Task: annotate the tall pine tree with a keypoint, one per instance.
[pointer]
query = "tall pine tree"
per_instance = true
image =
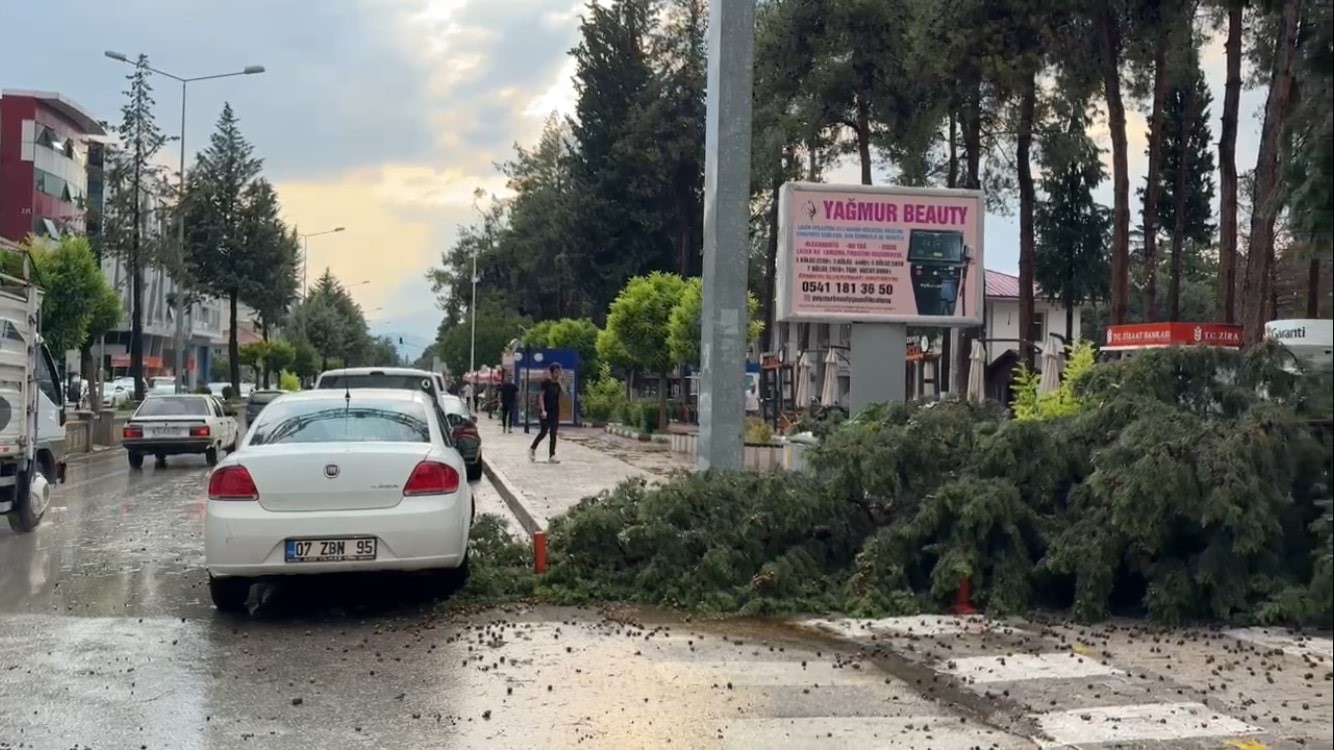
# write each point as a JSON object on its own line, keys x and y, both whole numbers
{"x": 1070, "y": 259}
{"x": 132, "y": 178}
{"x": 1186, "y": 179}
{"x": 215, "y": 239}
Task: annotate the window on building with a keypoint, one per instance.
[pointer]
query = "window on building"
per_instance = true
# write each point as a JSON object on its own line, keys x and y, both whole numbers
{"x": 45, "y": 137}
{"x": 1038, "y": 333}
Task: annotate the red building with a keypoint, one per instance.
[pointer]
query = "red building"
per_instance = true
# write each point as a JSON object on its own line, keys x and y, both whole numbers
{"x": 43, "y": 164}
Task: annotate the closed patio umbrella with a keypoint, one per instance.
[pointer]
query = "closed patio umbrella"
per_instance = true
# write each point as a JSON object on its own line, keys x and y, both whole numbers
{"x": 801, "y": 394}
{"x": 1051, "y": 367}
{"x": 977, "y": 372}
{"x": 829, "y": 388}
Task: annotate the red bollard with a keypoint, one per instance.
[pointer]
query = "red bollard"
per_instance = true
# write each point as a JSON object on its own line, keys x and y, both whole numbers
{"x": 963, "y": 599}
{"x": 540, "y": 552}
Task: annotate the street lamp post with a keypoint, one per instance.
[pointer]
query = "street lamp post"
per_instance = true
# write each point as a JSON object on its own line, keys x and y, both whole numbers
{"x": 249, "y": 70}
{"x": 472, "y": 349}
{"x": 305, "y": 254}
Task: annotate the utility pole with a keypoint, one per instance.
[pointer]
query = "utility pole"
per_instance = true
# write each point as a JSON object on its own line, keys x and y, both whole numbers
{"x": 727, "y": 138}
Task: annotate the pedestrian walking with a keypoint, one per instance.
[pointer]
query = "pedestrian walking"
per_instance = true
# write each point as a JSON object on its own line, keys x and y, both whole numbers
{"x": 467, "y": 397}
{"x": 548, "y": 409}
{"x": 508, "y": 395}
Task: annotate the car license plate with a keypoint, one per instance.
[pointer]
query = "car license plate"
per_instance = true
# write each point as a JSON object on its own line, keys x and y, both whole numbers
{"x": 331, "y": 550}
{"x": 167, "y": 432}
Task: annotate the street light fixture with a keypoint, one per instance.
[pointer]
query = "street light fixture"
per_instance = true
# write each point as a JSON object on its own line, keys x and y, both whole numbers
{"x": 305, "y": 250}
{"x": 248, "y": 70}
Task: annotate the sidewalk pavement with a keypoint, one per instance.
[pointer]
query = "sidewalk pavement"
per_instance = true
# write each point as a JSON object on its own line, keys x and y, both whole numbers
{"x": 539, "y": 491}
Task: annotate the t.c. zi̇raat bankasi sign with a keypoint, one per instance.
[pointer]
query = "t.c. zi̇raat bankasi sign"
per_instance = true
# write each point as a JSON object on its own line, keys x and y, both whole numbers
{"x": 1158, "y": 335}
{"x": 871, "y": 254}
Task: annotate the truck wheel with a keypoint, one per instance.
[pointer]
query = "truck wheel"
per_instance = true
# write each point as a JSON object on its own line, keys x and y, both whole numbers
{"x": 32, "y": 495}
{"x": 136, "y": 460}
{"x": 211, "y": 455}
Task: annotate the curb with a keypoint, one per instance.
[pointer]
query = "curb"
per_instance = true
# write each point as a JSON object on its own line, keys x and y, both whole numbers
{"x": 513, "y": 497}
{"x": 86, "y": 455}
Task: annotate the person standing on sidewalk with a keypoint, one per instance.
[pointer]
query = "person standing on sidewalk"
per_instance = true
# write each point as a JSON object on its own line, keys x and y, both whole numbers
{"x": 548, "y": 408}
{"x": 508, "y": 394}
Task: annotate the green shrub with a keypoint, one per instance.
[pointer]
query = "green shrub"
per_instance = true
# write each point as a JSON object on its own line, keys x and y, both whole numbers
{"x": 649, "y": 416}
{"x": 604, "y": 396}
{"x": 1065, "y": 400}
{"x": 631, "y": 414}
{"x": 288, "y": 381}
{"x": 758, "y": 431}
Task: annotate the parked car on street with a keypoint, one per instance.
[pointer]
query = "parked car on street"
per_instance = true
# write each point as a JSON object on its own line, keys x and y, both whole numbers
{"x": 333, "y": 481}
{"x": 257, "y": 401}
{"x": 179, "y": 424}
{"x": 163, "y": 386}
{"x": 116, "y": 393}
{"x": 463, "y": 426}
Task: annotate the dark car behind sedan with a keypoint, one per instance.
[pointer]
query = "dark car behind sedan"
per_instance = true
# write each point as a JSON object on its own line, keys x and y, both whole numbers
{"x": 256, "y": 403}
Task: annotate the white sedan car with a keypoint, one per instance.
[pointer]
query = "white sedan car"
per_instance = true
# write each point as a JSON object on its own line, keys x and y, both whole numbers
{"x": 333, "y": 481}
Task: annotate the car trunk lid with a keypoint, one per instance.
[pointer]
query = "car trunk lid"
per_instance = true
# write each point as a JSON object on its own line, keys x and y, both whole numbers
{"x": 332, "y": 476}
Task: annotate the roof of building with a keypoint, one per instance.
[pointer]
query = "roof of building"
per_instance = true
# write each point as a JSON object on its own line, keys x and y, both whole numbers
{"x": 78, "y": 115}
{"x": 1006, "y": 286}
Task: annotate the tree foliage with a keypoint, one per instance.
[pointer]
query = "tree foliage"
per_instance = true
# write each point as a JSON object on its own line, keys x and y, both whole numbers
{"x": 74, "y": 290}
{"x": 683, "y": 325}
{"x": 1185, "y": 484}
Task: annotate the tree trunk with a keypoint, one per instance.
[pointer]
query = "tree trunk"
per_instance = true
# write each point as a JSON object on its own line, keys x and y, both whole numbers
{"x": 1227, "y": 168}
{"x": 1313, "y": 289}
{"x": 971, "y": 125}
{"x": 90, "y": 376}
{"x": 1027, "y": 204}
{"x": 864, "y": 135}
{"x": 771, "y": 265}
{"x": 233, "y": 348}
{"x": 1069, "y": 320}
{"x": 685, "y": 223}
{"x": 1268, "y": 199}
{"x": 1180, "y": 199}
{"x": 952, "y": 180}
{"x": 1109, "y": 62}
{"x": 1153, "y": 190}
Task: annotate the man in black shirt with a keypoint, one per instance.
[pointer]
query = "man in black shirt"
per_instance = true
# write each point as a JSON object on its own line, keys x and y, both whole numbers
{"x": 508, "y": 392}
{"x": 548, "y": 408}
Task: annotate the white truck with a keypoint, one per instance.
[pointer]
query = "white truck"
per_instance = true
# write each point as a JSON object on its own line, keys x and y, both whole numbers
{"x": 32, "y": 413}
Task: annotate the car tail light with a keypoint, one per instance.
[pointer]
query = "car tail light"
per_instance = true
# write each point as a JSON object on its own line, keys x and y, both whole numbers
{"x": 232, "y": 483}
{"x": 131, "y": 432}
{"x": 199, "y": 431}
{"x": 432, "y": 478}
{"x": 465, "y": 430}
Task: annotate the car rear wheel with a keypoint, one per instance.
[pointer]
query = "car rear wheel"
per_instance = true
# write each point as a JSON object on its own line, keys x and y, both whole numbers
{"x": 211, "y": 455}
{"x": 229, "y": 594}
{"x": 136, "y": 460}
{"x": 452, "y": 580}
{"x": 474, "y": 470}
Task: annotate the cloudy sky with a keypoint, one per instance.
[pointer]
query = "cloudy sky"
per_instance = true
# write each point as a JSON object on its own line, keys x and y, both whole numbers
{"x": 381, "y": 116}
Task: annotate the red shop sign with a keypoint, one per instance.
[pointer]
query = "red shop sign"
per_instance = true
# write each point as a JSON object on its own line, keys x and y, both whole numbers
{"x": 1152, "y": 335}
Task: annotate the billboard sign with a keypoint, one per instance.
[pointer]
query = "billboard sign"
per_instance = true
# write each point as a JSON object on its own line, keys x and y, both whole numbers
{"x": 880, "y": 254}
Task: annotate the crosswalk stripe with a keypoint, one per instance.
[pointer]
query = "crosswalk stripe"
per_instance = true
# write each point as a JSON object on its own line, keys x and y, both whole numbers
{"x": 1148, "y": 722}
{"x": 982, "y": 670}
{"x": 861, "y": 733}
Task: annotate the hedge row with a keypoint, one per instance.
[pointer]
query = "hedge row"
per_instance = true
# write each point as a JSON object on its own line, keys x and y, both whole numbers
{"x": 1187, "y": 485}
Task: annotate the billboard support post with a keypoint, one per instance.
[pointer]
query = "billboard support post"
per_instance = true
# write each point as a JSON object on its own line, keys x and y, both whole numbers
{"x": 879, "y": 363}
{"x": 722, "y": 372}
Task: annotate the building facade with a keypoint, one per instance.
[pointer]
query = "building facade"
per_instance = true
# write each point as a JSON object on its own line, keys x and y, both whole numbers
{"x": 43, "y": 164}
{"x": 925, "y": 375}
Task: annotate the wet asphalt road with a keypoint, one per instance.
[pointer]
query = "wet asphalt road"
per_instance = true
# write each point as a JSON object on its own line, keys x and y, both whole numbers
{"x": 108, "y": 640}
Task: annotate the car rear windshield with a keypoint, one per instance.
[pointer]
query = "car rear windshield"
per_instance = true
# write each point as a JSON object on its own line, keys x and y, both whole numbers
{"x": 183, "y": 406}
{"x": 356, "y": 421}
{"x": 264, "y": 397}
{"x": 381, "y": 380}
